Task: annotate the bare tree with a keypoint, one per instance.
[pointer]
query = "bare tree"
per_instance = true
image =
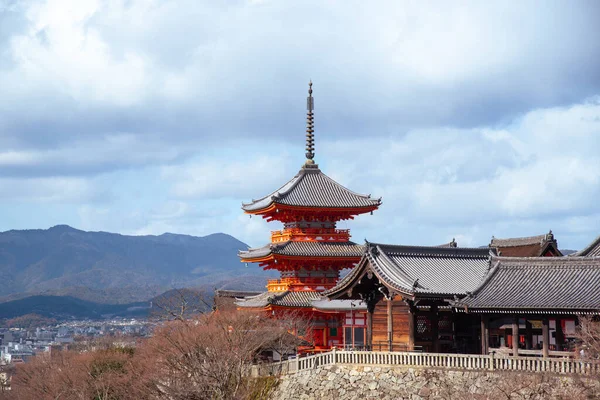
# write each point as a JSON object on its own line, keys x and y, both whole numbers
{"x": 208, "y": 356}
{"x": 588, "y": 335}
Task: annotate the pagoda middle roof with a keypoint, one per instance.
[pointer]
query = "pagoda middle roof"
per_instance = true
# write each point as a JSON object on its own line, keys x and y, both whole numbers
{"x": 312, "y": 188}
{"x": 305, "y": 249}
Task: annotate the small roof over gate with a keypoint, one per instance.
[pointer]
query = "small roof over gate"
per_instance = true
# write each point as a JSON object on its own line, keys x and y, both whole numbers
{"x": 530, "y": 246}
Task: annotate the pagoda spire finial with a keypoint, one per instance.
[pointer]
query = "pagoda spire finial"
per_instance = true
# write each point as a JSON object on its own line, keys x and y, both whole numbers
{"x": 310, "y": 126}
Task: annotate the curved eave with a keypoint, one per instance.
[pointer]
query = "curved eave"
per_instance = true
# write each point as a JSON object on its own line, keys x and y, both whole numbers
{"x": 274, "y": 206}
{"x": 525, "y": 310}
{"x": 273, "y": 256}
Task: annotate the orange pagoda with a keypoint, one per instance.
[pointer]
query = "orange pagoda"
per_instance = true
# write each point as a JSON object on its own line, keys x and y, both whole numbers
{"x": 310, "y": 251}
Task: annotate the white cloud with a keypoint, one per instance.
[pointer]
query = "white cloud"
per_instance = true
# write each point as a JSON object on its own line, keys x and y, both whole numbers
{"x": 57, "y": 190}
{"x": 223, "y": 176}
{"x": 457, "y": 182}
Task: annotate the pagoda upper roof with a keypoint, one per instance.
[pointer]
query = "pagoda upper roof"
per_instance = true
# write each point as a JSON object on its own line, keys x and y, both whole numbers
{"x": 305, "y": 249}
{"x": 312, "y": 188}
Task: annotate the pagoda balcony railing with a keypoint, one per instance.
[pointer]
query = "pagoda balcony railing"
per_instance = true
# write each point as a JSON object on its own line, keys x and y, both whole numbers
{"x": 311, "y": 234}
{"x": 279, "y": 285}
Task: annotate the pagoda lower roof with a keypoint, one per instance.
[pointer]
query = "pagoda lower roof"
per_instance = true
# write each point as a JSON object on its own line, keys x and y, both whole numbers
{"x": 303, "y": 299}
{"x": 312, "y": 188}
{"x": 305, "y": 249}
{"x": 281, "y": 299}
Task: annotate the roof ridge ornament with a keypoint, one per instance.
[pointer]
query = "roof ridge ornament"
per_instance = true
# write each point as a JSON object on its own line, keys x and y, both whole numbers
{"x": 310, "y": 129}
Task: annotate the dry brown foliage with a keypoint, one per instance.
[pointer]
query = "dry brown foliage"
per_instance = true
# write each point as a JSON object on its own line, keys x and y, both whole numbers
{"x": 588, "y": 334}
{"x": 205, "y": 357}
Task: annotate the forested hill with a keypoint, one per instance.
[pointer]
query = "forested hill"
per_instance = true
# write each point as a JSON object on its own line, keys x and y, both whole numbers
{"x": 100, "y": 265}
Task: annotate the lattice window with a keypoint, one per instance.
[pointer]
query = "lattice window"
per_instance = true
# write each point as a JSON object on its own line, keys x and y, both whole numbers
{"x": 423, "y": 325}
{"x": 445, "y": 323}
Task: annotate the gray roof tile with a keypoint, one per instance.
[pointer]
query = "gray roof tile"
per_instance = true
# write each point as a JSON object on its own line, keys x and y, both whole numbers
{"x": 539, "y": 283}
{"x": 282, "y": 299}
{"x": 306, "y": 249}
{"x": 591, "y": 250}
{"x": 424, "y": 270}
{"x": 522, "y": 241}
{"x": 312, "y": 188}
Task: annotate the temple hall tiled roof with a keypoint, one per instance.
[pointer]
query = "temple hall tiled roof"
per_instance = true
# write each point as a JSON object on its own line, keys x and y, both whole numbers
{"x": 421, "y": 270}
{"x": 339, "y": 305}
{"x": 312, "y": 188}
{"x": 531, "y": 246}
{"x": 305, "y": 249}
{"x": 281, "y": 299}
{"x": 542, "y": 283}
{"x": 591, "y": 250}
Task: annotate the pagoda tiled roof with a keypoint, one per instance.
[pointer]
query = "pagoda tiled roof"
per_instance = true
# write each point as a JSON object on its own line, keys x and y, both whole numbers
{"x": 282, "y": 299}
{"x": 421, "y": 270}
{"x": 305, "y": 249}
{"x": 591, "y": 250}
{"x": 312, "y": 188}
{"x": 538, "y": 283}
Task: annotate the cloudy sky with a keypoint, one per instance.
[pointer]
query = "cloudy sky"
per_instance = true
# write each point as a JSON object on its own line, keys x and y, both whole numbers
{"x": 148, "y": 116}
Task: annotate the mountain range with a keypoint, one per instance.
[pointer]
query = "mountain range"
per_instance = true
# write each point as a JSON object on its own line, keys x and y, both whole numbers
{"x": 109, "y": 268}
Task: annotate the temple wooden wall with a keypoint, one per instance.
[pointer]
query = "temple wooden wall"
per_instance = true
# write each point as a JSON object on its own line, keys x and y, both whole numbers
{"x": 400, "y": 316}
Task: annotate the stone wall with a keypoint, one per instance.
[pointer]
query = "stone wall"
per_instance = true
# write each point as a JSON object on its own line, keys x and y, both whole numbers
{"x": 340, "y": 382}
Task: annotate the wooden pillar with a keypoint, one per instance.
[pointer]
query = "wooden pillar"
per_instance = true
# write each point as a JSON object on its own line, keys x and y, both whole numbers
{"x": 515, "y": 336}
{"x": 325, "y": 333}
{"x": 485, "y": 334}
{"x": 369, "y": 330}
{"x": 433, "y": 318}
{"x": 528, "y": 335}
{"x": 545, "y": 337}
{"x": 411, "y": 328}
{"x": 390, "y": 328}
{"x": 560, "y": 335}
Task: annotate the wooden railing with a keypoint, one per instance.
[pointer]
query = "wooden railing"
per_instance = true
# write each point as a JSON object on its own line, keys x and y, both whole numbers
{"x": 302, "y": 234}
{"x": 282, "y": 284}
{"x": 433, "y": 360}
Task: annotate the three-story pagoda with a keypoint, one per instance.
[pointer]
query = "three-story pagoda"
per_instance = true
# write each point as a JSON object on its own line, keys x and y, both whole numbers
{"x": 310, "y": 250}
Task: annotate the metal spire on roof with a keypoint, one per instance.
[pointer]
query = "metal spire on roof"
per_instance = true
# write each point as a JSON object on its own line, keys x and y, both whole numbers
{"x": 310, "y": 127}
